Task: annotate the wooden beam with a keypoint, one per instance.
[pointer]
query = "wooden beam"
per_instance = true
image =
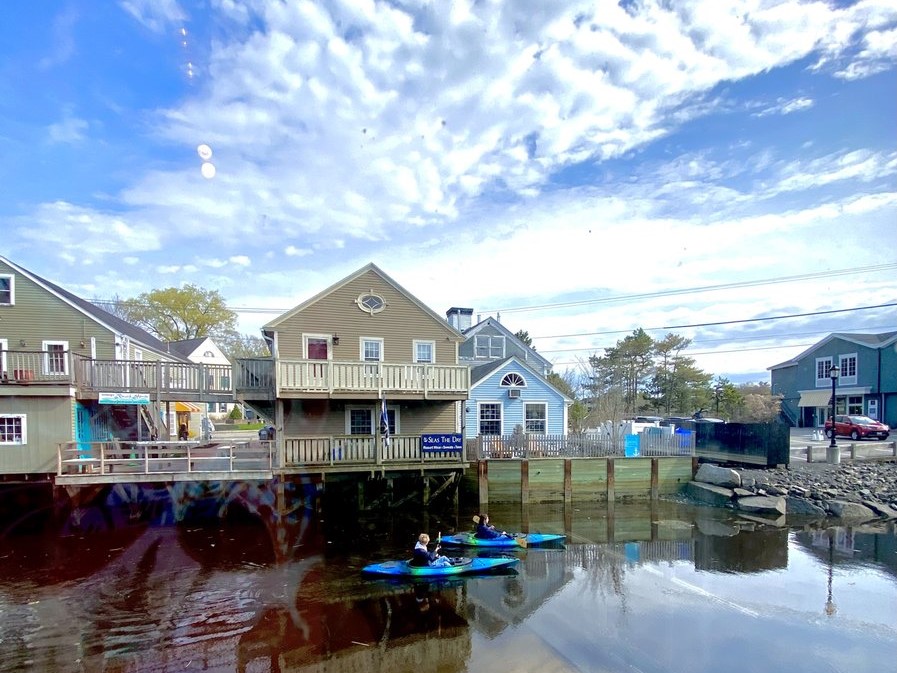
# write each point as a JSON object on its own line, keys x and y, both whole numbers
{"x": 654, "y": 480}
{"x": 524, "y": 482}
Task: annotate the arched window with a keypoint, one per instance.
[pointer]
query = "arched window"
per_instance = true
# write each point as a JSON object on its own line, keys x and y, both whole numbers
{"x": 512, "y": 380}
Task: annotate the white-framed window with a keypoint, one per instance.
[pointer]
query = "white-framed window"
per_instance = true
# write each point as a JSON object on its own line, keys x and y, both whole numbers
{"x": 56, "y": 361}
{"x": 4, "y": 346}
{"x": 823, "y": 365}
{"x": 371, "y": 349}
{"x": 359, "y": 421}
{"x": 363, "y": 420}
{"x": 848, "y": 366}
{"x": 424, "y": 351}
{"x": 7, "y": 289}
{"x": 13, "y": 429}
{"x": 489, "y": 418}
{"x": 138, "y": 354}
{"x": 489, "y": 346}
{"x": 535, "y": 417}
{"x": 512, "y": 380}
{"x": 855, "y": 405}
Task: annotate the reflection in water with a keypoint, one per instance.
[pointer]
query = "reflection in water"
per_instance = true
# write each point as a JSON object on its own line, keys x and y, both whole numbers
{"x": 263, "y": 589}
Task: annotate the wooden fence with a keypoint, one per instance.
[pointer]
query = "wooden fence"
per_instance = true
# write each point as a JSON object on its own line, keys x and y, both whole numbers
{"x": 486, "y": 447}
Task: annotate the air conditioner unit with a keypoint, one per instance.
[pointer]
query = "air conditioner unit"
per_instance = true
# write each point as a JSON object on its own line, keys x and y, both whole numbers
{"x": 514, "y": 393}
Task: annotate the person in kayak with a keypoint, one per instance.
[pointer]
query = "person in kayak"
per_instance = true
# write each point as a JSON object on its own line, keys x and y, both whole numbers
{"x": 486, "y": 531}
{"x": 422, "y": 557}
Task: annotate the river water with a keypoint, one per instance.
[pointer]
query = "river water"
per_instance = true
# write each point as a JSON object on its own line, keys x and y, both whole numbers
{"x": 651, "y": 588}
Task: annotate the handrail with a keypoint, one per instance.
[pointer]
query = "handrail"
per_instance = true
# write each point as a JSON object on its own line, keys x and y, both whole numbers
{"x": 155, "y": 457}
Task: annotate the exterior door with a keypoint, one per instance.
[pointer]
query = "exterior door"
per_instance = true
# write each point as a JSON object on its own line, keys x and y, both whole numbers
{"x": 316, "y": 349}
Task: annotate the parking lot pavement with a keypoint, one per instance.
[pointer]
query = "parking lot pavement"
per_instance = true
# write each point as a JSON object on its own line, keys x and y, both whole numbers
{"x": 801, "y": 438}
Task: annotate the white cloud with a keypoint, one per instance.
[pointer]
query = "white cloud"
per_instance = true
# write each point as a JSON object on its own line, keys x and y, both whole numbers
{"x": 785, "y": 106}
{"x": 156, "y": 15}
{"x": 94, "y": 234}
{"x": 69, "y": 130}
{"x": 293, "y": 251}
{"x": 240, "y": 260}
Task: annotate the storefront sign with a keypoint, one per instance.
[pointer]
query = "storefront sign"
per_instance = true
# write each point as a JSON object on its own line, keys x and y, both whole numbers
{"x": 124, "y": 398}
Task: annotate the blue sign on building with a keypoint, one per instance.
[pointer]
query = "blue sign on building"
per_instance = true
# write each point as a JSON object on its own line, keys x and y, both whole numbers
{"x": 442, "y": 442}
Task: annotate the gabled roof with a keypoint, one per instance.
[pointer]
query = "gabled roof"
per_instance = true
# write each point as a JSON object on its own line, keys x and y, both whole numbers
{"x": 449, "y": 330}
{"x": 876, "y": 341}
{"x": 482, "y": 372}
{"x": 185, "y": 347}
{"x": 471, "y": 332}
{"x": 104, "y": 318}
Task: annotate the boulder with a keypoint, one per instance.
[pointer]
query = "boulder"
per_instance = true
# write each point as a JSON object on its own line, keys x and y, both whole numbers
{"x": 762, "y": 504}
{"x": 709, "y": 494}
{"x": 743, "y": 493}
{"x": 779, "y": 521}
{"x": 801, "y": 507}
{"x": 714, "y": 528}
{"x": 709, "y": 473}
{"x": 849, "y": 510}
{"x": 881, "y": 509}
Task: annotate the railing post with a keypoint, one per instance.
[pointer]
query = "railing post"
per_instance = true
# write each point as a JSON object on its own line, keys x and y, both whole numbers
{"x": 59, "y": 459}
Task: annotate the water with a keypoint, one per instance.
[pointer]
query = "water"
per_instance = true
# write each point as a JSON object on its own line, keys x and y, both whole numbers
{"x": 642, "y": 588}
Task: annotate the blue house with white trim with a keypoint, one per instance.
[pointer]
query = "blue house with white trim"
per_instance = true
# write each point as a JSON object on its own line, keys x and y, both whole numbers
{"x": 867, "y": 384}
{"x": 508, "y": 396}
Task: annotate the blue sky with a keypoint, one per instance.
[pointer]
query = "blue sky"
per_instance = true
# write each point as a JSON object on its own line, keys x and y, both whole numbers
{"x": 539, "y": 160}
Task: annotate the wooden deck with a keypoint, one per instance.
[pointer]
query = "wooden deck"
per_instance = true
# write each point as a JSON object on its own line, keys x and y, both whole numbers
{"x": 135, "y": 462}
{"x": 257, "y": 378}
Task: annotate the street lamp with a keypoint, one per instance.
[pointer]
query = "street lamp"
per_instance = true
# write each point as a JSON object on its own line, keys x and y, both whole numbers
{"x": 833, "y": 373}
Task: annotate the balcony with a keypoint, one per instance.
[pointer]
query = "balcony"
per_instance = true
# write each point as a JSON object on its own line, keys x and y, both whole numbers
{"x": 256, "y": 379}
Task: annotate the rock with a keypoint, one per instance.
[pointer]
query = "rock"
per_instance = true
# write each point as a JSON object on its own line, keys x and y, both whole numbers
{"x": 714, "y": 528}
{"x": 742, "y": 493}
{"x": 709, "y": 494}
{"x": 881, "y": 509}
{"x": 801, "y": 507}
{"x": 718, "y": 476}
{"x": 762, "y": 504}
{"x": 778, "y": 522}
{"x": 849, "y": 510}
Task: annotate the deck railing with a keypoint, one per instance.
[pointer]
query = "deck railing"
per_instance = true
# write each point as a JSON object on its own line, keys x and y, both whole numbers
{"x": 132, "y": 458}
{"x": 329, "y": 376}
{"x": 517, "y": 446}
{"x": 160, "y": 376}
{"x": 21, "y": 366}
{"x": 354, "y": 450}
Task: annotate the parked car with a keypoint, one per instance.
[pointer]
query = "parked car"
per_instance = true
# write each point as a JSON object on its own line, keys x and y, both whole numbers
{"x": 266, "y": 432}
{"x": 856, "y": 427}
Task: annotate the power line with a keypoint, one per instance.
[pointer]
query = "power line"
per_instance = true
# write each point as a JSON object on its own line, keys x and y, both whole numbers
{"x": 722, "y": 322}
{"x": 736, "y": 350}
{"x": 753, "y": 337}
{"x": 703, "y": 288}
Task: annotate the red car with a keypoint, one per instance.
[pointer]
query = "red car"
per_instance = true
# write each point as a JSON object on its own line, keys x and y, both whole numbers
{"x": 856, "y": 427}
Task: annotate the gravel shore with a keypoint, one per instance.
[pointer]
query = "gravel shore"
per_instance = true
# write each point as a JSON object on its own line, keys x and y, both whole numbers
{"x": 816, "y": 489}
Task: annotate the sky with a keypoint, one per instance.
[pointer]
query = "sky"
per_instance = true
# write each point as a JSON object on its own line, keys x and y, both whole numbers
{"x": 576, "y": 169}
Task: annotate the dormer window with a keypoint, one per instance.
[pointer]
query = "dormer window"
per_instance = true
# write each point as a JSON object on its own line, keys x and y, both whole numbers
{"x": 489, "y": 346}
{"x": 7, "y": 290}
{"x": 512, "y": 380}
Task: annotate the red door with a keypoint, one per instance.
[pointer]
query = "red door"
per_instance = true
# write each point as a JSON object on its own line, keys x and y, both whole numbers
{"x": 317, "y": 350}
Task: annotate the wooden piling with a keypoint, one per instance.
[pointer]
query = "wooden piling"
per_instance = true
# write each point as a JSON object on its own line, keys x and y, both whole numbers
{"x": 568, "y": 481}
{"x": 610, "y": 480}
{"x": 655, "y": 491}
{"x": 524, "y": 482}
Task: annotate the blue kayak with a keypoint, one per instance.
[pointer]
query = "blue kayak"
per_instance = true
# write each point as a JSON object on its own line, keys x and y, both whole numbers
{"x": 460, "y": 566}
{"x": 469, "y": 539}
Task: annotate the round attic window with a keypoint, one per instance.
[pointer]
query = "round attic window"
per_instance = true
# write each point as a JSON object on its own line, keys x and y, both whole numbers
{"x": 370, "y": 303}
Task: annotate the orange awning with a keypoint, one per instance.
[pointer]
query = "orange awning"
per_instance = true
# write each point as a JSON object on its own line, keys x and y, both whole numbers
{"x": 188, "y": 407}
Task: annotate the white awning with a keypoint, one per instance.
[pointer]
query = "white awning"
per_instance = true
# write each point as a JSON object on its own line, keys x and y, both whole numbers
{"x": 815, "y": 398}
